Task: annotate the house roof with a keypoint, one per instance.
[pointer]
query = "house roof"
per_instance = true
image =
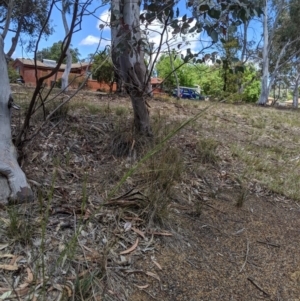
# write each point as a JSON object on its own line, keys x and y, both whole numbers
{"x": 156, "y": 80}
{"x": 30, "y": 62}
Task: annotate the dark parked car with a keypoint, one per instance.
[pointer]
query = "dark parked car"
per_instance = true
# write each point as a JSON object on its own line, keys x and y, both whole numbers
{"x": 187, "y": 93}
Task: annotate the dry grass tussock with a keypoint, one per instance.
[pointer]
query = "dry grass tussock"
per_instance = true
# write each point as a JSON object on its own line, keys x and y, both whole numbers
{"x": 121, "y": 217}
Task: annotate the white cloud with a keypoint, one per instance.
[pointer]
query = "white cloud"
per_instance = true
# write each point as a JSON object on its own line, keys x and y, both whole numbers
{"x": 180, "y": 43}
{"x": 92, "y": 40}
{"x": 104, "y": 19}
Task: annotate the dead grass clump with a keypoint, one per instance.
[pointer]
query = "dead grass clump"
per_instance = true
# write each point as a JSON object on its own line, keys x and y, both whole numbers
{"x": 96, "y": 109}
{"x": 122, "y": 144}
{"x": 164, "y": 97}
{"x": 59, "y": 114}
{"x": 165, "y": 168}
{"x": 121, "y": 111}
{"x": 206, "y": 151}
{"x": 159, "y": 175}
{"x": 242, "y": 197}
{"x": 83, "y": 287}
{"x": 19, "y": 227}
{"x": 159, "y": 123}
{"x": 43, "y": 110}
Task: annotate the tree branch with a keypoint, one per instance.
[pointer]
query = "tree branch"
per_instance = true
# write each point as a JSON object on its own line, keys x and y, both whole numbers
{"x": 8, "y": 18}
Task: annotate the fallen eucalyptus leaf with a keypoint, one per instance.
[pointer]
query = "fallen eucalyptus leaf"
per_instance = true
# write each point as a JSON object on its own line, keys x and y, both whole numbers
{"x": 133, "y": 247}
{"x": 5, "y": 295}
{"x": 141, "y": 287}
{"x": 153, "y": 275}
{"x": 9, "y": 267}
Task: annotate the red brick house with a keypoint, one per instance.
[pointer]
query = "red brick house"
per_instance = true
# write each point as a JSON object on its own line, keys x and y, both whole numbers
{"x": 26, "y": 68}
{"x": 157, "y": 86}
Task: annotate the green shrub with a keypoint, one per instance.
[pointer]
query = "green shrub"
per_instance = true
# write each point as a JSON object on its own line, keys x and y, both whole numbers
{"x": 12, "y": 74}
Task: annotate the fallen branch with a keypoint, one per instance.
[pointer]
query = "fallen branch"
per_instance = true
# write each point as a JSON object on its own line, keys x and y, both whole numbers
{"x": 268, "y": 243}
{"x": 246, "y": 257}
{"x": 257, "y": 286}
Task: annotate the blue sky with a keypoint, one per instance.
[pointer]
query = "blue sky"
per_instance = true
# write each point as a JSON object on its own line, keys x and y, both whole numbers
{"x": 88, "y": 28}
{"x": 86, "y": 40}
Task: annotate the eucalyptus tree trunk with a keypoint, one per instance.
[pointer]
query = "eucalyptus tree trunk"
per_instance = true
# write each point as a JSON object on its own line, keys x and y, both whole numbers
{"x": 243, "y": 55}
{"x": 65, "y": 76}
{"x": 13, "y": 183}
{"x": 128, "y": 58}
{"x": 296, "y": 92}
{"x": 265, "y": 87}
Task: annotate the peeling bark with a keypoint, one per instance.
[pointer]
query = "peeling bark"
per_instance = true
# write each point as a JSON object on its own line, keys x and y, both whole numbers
{"x": 12, "y": 177}
{"x": 128, "y": 58}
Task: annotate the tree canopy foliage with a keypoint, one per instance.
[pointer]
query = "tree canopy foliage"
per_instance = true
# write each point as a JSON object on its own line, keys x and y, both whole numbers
{"x": 102, "y": 68}
{"x": 54, "y": 53}
{"x": 187, "y": 73}
{"x": 28, "y": 18}
{"x": 211, "y": 79}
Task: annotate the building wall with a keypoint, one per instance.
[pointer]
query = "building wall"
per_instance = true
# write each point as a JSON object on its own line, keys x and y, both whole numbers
{"x": 157, "y": 90}
{"x": 95, "y": 85}
{"x": 28, "y": 74}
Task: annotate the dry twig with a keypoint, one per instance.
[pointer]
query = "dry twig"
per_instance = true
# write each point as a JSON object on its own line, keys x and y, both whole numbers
{"x": 246, "y": 257}
{"x": 257, "y": 286}
{"x": 268, "y": 243}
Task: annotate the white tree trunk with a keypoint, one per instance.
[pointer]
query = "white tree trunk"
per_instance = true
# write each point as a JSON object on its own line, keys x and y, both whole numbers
{"x": 128, "y": 58}
{"x": 265, "y": 88}
{"x": 296, "y": 92}
{"x": 65, "y": 76}
{"x": 13, "y": 183}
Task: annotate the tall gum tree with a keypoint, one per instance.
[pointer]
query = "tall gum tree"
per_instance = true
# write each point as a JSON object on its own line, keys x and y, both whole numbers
{"x": 128, "y": 47}
{"x": 19, "y": 16}
{"x": 278, "y": 44}
{"x": 13, "y": 182}
{"x": 128, "y": 58}
{"x": 65, "y": 77}
{"x": 289, "y": 30}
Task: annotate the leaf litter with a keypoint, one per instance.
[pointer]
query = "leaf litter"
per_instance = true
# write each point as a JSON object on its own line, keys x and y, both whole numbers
{"x": 89, "y": 247}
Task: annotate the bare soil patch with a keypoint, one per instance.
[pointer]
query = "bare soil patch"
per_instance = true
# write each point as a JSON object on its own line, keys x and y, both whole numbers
{"x": 211, "y": 226}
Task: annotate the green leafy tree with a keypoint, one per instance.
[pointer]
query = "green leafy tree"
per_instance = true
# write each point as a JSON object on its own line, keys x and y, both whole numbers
{"x": 103, "y": 69}
{"x": 187, "y": 73}
{"x": 252, "y": 84}
{"x": 210, "y": 80}
{"x": 54, "y": 52}
{"x": 12, "y": 73}
{"x": 27, "y": 18}
{"x": 229, "y": 63}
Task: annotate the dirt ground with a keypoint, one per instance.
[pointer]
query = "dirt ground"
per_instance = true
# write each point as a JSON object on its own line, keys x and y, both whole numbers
{"x": 222, "y": 239}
